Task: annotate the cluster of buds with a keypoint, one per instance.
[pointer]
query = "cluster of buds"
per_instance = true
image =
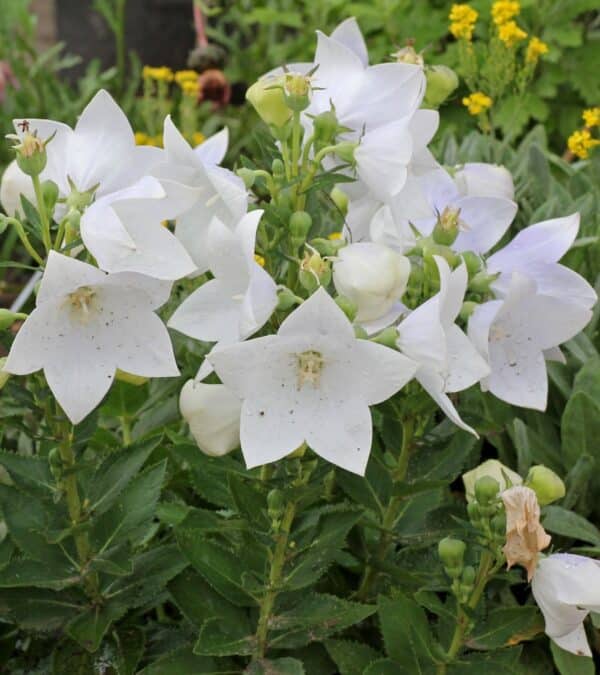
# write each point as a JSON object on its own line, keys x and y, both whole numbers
{"x": 452, "y": 554}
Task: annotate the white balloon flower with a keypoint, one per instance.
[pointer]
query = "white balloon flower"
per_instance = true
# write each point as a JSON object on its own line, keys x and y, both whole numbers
{"x": 213, "y": 414}
{"x": 86, "y": 325}
{"x": 447, "y": 360}
{"x": 566, "y": 588}
{"x": 14, "y": 184}
{"x": 374, "y": 277}
{"x": 313, "y": 382}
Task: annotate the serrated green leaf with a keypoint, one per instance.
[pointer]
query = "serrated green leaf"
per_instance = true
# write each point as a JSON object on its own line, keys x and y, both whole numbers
{"x": 351, "y": 658}
{"x": 39, "y": 609}
{"x": 284, "y": 666}
{"x": 23, "y": 572}
{"x": 220, "y": 638}
{"x": 315, "y": 618}
{"x": 504, "y": 626}
{"x": 182, "y": 661}
{"x": 386, "y": 667}
{"x": 571, "y": 664}
{"x": 29, "y": 472}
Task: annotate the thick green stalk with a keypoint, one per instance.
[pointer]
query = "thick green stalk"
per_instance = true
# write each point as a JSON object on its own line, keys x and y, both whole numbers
{"x": 69, "y": 484}
{"x": 391, "y": 514}
{"x": 275, "y": 578}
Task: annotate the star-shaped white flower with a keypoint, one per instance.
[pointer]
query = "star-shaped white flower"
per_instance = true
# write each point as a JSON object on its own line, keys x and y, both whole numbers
{"x": 513, "y": 334}
{"x": 221, "y": 193}
{"x": 535, "y": 253}
{"x": 124, "y": 230}
{"x": 100, "y": 150}
{"x": 86, "y": 325}
{"x": 313, "y": 382}
{"x": 566, "y": 588}
{"x": 241, "y": 297}
{"x": 447, "y": 360}
{"x": 481, "y": 220}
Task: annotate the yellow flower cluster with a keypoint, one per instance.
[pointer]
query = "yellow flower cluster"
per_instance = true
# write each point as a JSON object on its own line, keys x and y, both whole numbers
{"x": 142, "y": 138}
{"x": 505, "y": 10}
{"x": 591, "y": 117}
{"x": 182, "y": 76}
{"x": 477, "y": 103}
{"x": 535, "y": 49}
{"x": 581, "y": 142}
{"x": 190, "y": 87}
{"x": 259, "y": 259}
{"x": 197, "y": 138}
{"x": 462, "y": 21}
{"x": 510, "y": 33}
{"x": 161, "y": 74}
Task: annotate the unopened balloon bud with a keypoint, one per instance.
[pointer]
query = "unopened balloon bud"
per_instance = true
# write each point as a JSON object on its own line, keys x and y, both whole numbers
{"x": 340, "y": 199}
{"x": 248, "y": 176}
{"x": 547, "y": 485}
{"x": 441, "y": 83}
{"x": 267, "y": 98}
{"x": 452, "y": 552}
{"x": 486, "y": 490}
{"x": 326, "y": 128}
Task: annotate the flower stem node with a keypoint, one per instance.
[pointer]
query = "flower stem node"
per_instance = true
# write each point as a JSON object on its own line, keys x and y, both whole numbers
{"x": 297, "y": 91}
{"x": 452, "y": 552}
{"x": 7, "y": 318}
{"x": 547, "y": 486}
{"x": 441, "y": 83}
{"x": 486, "y": 490}
{"x": 447, "y": 227}
{"x": 348, "y": 306}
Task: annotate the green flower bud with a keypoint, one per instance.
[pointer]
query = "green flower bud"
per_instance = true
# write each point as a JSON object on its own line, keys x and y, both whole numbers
{"x": 7, "y": 318}
{"x": 481, "y": 282}
{"x": 4, "y": 376}
{"x": 474, "y": 512}
{"x": 441, "y": 82}
{"x": 486, "y": 489}
{"x": 452, "y": 552}
{"x": 267, "y": 98}
{"x": 325, "y": 128}
{"x": 50, "y": 193}
{"x": 547, "y": 486}
{"x": 340, "y": 199}
{"x": 287, "y": 299}
{"x": 278, "y": 170}
{"x": 345, "y": 151}
{"x": 467, "y": 309}
{"x": 492, "y": 467}
{"x": 300, "y": 224}
{"x": 347, "y": 306}
{"x": 248, "y": 176}
{"x": 80, "y": 200}
{"x": 468, "y": 576}
{"x": 498, "y": 524}
{"x": 55, "y": 462}
{"x": 275, "y": 506}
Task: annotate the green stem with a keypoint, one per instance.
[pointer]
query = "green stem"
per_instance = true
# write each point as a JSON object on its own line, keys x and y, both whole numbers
{"x": 25, "y": 239}
{"x": 126, "y": 430}
{"x": 275, "y": 578}
{"x": 391, "y": 514}
{"x": 296, "y": 128}
{"x": 60, "y": 235}
{"x": 484, "y": 574}
{"x": 69, "y": 484}
{"x": 41, "y": 205}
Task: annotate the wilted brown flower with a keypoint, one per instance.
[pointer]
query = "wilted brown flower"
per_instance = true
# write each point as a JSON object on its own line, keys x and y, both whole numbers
{"x": 214, "y": 87}
{"x": 525, "y": 537}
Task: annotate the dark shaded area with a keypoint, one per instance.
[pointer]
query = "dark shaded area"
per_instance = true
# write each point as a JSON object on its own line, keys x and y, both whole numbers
{"x": 161, "y": 32}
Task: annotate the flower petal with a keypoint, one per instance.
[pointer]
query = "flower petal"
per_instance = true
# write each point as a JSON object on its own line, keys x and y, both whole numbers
{"x": 319, "y": 315}
{"x": 213, "y": 149}
{"x": 349, "y": 34}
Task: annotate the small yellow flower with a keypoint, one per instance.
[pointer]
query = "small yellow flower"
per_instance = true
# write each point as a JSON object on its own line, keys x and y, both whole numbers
{"x": 185, "y": 76}
{"x": 190, "y": 88}
{"x": 477, "y": 103}
{"x": 591, "y": 117}
{"x": 197, "y": 138}
{"x": 505, "y": 10}
{"x": 581, "y": 142}
{"x": 535, "y": 49}
{"x": 462, "y": 21}
{"x": 161, "y": 74}
{"x": 510, "y": 33}
{"x": 259, "y": 259}
{"x": 334, "y": 236}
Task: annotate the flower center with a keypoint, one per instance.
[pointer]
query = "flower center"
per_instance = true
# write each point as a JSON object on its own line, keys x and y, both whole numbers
{"x": 310, "y": 364}
{"x": 450, "y": 220}
{"x": 82, "y": 302}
